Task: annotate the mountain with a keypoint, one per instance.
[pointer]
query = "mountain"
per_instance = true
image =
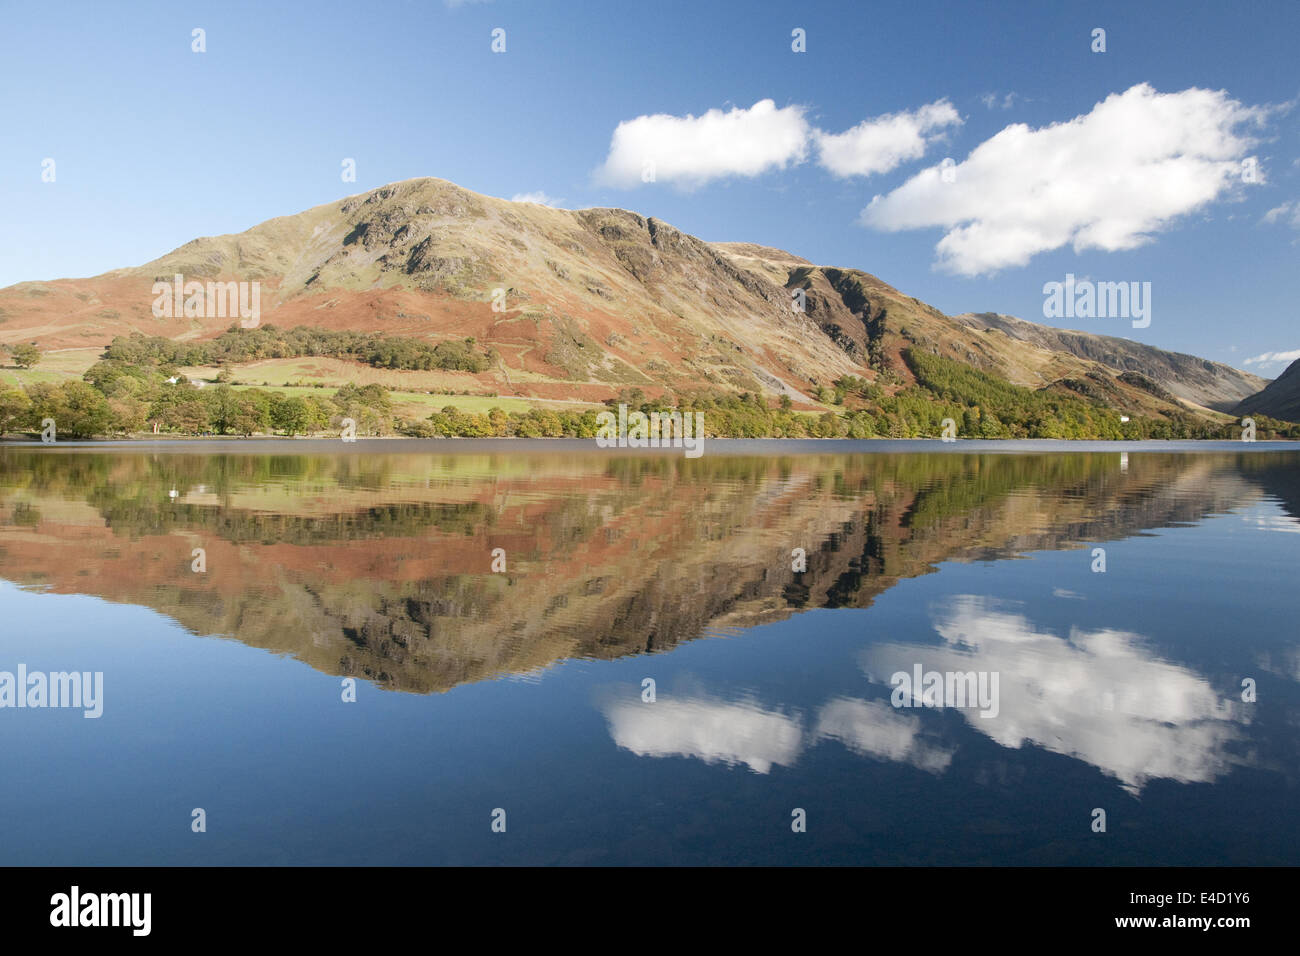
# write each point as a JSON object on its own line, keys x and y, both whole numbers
{"x": 593, "y": 301}
{"x": 1279, "y": 399}
{"x": 1197, "y": 380}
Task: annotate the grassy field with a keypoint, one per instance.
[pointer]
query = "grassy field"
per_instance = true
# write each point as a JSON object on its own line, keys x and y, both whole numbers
{"x": 409, "y": 390}
{"x": 420, "y": 405}
{"x": 55, "y": 367}
{"x": 331, "y": 371}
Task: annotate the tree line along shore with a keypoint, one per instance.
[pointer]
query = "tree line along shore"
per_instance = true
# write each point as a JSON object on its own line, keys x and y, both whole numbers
{"x": 137, "y": 389}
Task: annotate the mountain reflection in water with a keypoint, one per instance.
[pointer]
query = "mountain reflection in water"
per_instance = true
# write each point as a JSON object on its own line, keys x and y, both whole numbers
{"x": 379, "y": 566}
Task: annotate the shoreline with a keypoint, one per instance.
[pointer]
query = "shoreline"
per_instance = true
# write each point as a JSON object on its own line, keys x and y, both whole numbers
{"x": 398, "y": 444}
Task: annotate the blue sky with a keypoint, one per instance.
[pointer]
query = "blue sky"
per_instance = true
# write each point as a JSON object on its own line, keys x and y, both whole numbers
{"x": 155, "y": 144}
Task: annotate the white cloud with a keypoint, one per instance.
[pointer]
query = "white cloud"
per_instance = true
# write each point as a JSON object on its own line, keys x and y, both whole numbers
{"x": 1268, "y": 358}
{"x": 693, "y": 150}
{"x": 991, "y": 100}
{"x": 1100, "y": 696}
{"x": 708, "y": 729}
{"x": 538, "y": 197}
{"x": 1288, "y": 212}
{"x": 881, "y": 143}
{"x": 1106, "y": 180}
{"x": 873, "y": 728}
{"x": 1283, "y": 523}
{"x": 742, "y": 732}
{"x": 1287, "y": 661}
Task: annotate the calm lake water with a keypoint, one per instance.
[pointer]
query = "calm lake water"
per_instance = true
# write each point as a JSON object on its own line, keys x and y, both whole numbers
{"x": 226, "y": 594}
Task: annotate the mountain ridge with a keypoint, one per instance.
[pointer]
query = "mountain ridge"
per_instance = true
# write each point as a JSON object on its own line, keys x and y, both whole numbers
{"x": 583, "y": 304}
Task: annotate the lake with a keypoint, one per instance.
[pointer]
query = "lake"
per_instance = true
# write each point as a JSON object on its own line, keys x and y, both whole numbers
{"x": 513, "y": 652}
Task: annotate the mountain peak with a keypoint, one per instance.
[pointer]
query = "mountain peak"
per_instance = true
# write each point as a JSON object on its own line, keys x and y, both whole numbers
{"x": 582, "y": 303}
